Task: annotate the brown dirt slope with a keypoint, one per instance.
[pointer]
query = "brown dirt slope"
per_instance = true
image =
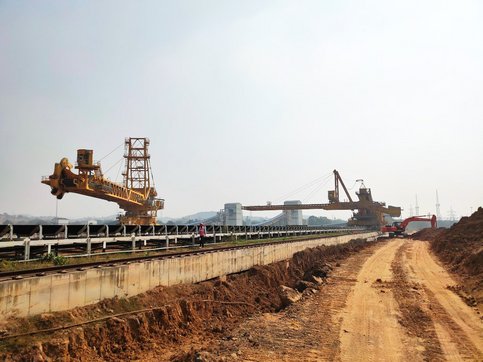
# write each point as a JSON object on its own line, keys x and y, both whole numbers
{"x": 461, "y": 249}
{"x": 428, "y": 234}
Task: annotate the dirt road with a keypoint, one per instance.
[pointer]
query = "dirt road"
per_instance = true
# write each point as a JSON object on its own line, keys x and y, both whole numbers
{"x": 389, "y": 303}
{"x": 370, "y": 328}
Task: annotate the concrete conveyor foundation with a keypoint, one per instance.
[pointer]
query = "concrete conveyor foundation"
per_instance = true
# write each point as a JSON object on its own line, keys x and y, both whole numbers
{"x": 59, "y": 292}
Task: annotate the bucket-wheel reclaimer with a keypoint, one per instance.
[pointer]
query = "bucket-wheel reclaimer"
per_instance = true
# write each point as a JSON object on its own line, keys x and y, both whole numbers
{"x": 136, "y": 195}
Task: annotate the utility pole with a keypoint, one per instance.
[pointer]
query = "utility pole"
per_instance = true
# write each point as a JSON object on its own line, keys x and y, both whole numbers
{"x": 417, "y": 206}
{"x": 438, "y": 211}
{"x": 452, "y": 215}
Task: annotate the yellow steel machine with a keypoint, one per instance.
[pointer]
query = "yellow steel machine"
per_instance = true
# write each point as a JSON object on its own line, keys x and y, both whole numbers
{"x": 136, "y": 195}
{"x": 369, "y": 213}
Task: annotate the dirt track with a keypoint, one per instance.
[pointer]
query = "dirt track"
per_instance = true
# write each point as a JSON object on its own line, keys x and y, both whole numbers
{"x": 370, "y": 319}
{"x": 388, "y": 303}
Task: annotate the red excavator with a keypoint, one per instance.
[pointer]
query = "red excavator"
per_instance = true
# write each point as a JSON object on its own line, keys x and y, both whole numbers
{"x": 398, "y": 228}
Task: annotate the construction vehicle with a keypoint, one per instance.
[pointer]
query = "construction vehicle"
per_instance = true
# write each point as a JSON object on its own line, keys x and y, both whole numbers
{"x": 136, "y": 195}
{"x": 398, "y": 228}
{"x": 369, "y": 214}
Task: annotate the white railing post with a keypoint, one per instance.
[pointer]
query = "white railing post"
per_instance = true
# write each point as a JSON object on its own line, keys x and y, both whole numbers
{"x": 26, "y": 249}
{"x": 167, "y": 237}
{"x": 133, "y": 241}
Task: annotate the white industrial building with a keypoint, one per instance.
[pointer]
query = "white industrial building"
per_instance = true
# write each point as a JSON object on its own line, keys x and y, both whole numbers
{"x": 233, "y": 214}
{"x": 293, "y": 217}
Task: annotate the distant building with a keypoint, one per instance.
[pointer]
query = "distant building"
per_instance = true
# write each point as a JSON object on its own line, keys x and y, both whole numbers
{"x": 61, "y": 221}
{"x": 233, "y": 214}
{"x": 293, "y": 217}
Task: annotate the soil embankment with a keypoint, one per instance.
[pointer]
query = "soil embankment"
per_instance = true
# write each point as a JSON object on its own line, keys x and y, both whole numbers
{"x": 460, "y": 248}
{"x": 172, "y": 323}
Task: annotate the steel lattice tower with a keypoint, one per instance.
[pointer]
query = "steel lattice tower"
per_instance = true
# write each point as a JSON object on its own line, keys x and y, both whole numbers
{"x": 438, "y": 211}
{"x": 137, "y": 174}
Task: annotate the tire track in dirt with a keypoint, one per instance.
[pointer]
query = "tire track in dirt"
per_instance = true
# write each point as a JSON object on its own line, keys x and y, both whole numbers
{"x": 459, "y": 329}
{"x": 414, "y": 306}
{"x": 370, "y": 327}
{"x": 454, "y": 341}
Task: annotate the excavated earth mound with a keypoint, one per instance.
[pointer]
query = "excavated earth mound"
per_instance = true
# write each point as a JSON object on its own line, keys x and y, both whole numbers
{"x": 428, "y": 234}
{"x": 461, "y": 249}
{"x": 174, "y": 322}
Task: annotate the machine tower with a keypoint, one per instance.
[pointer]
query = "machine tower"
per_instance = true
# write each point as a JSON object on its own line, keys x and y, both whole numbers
{"x": 137, "y": 173}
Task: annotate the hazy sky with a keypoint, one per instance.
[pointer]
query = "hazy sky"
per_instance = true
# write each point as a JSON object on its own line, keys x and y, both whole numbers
{"x": 244, "y": 101}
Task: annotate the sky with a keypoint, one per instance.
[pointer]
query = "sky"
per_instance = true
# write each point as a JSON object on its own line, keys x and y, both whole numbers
{"x": 245, "y": 101}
